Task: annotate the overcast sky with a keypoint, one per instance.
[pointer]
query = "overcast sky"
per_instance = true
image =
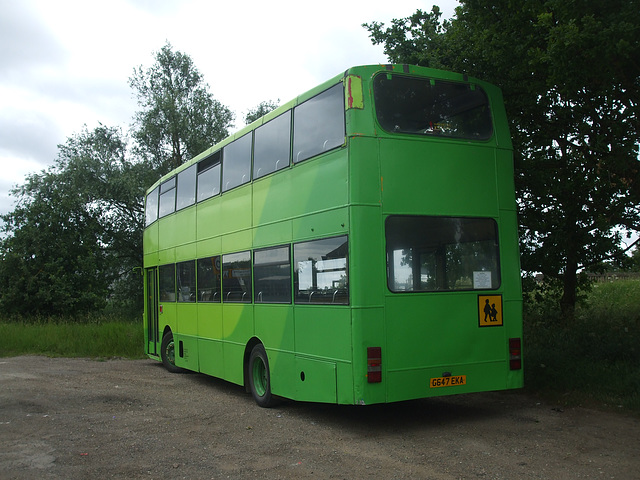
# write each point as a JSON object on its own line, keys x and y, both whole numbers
{"x": 66, "y": 63}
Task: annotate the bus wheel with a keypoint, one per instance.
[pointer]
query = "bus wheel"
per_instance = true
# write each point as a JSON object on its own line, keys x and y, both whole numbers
{"x": 260, "y": 378}
{"x": 168, "y": 353}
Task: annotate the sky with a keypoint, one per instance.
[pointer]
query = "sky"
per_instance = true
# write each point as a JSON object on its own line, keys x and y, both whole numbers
{"x": 67, "y": 63}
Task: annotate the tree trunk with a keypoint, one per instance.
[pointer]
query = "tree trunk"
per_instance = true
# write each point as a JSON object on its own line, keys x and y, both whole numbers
{"x": 570, "y": 287}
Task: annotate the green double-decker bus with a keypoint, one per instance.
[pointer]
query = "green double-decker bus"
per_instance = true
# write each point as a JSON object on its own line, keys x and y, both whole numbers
{"x": 357, "y": 245}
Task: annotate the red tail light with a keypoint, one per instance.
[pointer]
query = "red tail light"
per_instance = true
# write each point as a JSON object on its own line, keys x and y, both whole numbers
{"x": 515, "y": 354}
{"x": 374, "y": 364}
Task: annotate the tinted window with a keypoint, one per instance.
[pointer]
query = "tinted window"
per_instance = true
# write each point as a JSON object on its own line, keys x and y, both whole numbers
{"x": 318, "y": 124}
{"x": 431, "y": 107}
{"x": 441, "y": 253}
{"x": 272, "y": 275}
{"x": 321, "y": 274}
{"x": 209, "y": 176}
{"x": 236, "y": 277}
{"x": 209, "y": 279}
{"x": 186, "y": 273}
{"x": 186, "y": 192}
{"x": 168, "y": 197}
{"x": 167, "y": 282}
{"x": 272, "y": 146}
{"x": 236, "y": 163}
{"x": 151, "y": 207}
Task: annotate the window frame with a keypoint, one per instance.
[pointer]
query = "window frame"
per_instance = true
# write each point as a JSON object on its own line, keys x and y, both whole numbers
{"x": 167, "y": 191}
{"x": 265, "y": 129}
{"x": 216, "y": 275}
{"x": 190, "y": 192}
{"x": 237, "y": 258}
{"x": 258, "y": 265}
{"x": 444, "y": 259}
{"x": 309, "y": 128}
{"x": 315, "y": 295}
{"x": 436, "y": 122}
{"x": 205, "y": 167}
{"x": 166, "y": 294}
{"x": 182, "y": 271}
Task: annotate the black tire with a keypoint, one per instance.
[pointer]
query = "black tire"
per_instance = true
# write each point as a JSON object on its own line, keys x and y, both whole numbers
{"x": 260, "y": 377}
{"x": 168, "y": 353}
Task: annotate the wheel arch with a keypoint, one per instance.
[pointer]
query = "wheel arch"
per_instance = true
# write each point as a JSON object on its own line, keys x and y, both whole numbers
{"x": 253, "y": 341}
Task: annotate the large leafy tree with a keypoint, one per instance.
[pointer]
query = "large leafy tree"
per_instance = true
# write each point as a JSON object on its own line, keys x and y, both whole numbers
{"x": 68, "y": 239}
{"x": 178, "y": 116}
{"x": 75, "y": 236}
{"x": 570, "y": 77}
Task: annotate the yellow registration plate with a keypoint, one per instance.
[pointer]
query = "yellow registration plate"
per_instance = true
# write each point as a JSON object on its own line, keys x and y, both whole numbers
{"x": 452, "y": 381}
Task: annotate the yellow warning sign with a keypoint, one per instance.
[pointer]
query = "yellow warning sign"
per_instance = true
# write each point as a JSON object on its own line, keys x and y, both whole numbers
{"x": 490, "y": 310}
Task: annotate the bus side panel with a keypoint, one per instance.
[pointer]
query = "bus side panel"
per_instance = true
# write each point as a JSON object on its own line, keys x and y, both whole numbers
{"x": 177, "y": 229}
{"x": 324, "y": 224}
{"x": 272, "y": 198}
{"x": 320, "y": 184}
{"x": 185, "y": 336}
{"x": 186, "y": 351}
{"x": 323, "y": 331}
{"x": 365, "y": 179}
{"x": 150, "y": 242}
{"x": 208, "y": 219}
{"x": 322, "y": 339}
{"x": 210, "y": 343}
{"x": 368, "y": 331}
{"x": 314, "y": 185}
{"x": 237, "y": 329}
{"x": 236, "y": 214}
{"x": 167, "y": 318}
{"x": 438, "y": 184}
{"x": 274, "y": 327}
{"x": 317, "y": 380}
{"x": 344, "y": 383}
{"x": 210, "y": 357}
{"x": 367, "y": 274}
{"x": 272, "y": 234}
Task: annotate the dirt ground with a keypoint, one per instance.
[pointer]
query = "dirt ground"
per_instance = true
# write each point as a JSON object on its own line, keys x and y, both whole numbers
{"x": 83, "y": 419}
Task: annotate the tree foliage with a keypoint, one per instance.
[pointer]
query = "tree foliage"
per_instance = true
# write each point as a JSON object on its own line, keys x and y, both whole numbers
{"x": 570, "y": 76}
{"x": 260, "y": 110}
{"x": 75, "y": 236}
{"x": 74, "y": 231}
{"x": 178, "y": 116}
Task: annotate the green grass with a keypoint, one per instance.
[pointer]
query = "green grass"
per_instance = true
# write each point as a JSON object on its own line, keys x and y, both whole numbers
{"x": 92, "y": 338}
{"x": 593, "y": 360}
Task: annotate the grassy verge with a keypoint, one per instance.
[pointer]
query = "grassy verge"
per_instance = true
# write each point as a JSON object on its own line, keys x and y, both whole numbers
{"x": 93, "y": 338}
{"x": 594, "y": 360}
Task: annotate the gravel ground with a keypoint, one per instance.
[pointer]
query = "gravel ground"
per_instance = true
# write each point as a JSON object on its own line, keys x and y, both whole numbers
{"x": 83, "y": 419}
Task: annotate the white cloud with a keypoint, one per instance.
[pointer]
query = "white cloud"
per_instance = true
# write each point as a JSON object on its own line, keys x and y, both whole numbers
{"x": 66, "y": 63}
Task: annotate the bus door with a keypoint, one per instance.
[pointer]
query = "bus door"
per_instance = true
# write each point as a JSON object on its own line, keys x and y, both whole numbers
{"x": 152, "y": 310}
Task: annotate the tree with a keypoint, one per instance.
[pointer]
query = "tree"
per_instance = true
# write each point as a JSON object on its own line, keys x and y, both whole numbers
{"x": 75, "y": 236}
{"x": 262, "y": 109}
{"x": 570, "y": 78}
{"x": 179, "y": 118}
{"x": 64, "y": 250}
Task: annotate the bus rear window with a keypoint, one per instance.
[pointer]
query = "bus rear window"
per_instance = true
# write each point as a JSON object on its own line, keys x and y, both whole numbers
{"x": 427, "y": 254}
{"x": 422, "y": 106}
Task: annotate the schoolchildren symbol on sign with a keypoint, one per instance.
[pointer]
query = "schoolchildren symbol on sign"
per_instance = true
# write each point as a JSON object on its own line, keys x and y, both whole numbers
{"x": 490, "y": 310}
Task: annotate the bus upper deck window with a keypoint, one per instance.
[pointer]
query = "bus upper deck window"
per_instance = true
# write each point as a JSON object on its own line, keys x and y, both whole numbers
{"x": 422, "y": 106}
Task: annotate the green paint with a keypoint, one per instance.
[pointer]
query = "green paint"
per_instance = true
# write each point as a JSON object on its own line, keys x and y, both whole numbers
{"x": 319, "y": 352}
